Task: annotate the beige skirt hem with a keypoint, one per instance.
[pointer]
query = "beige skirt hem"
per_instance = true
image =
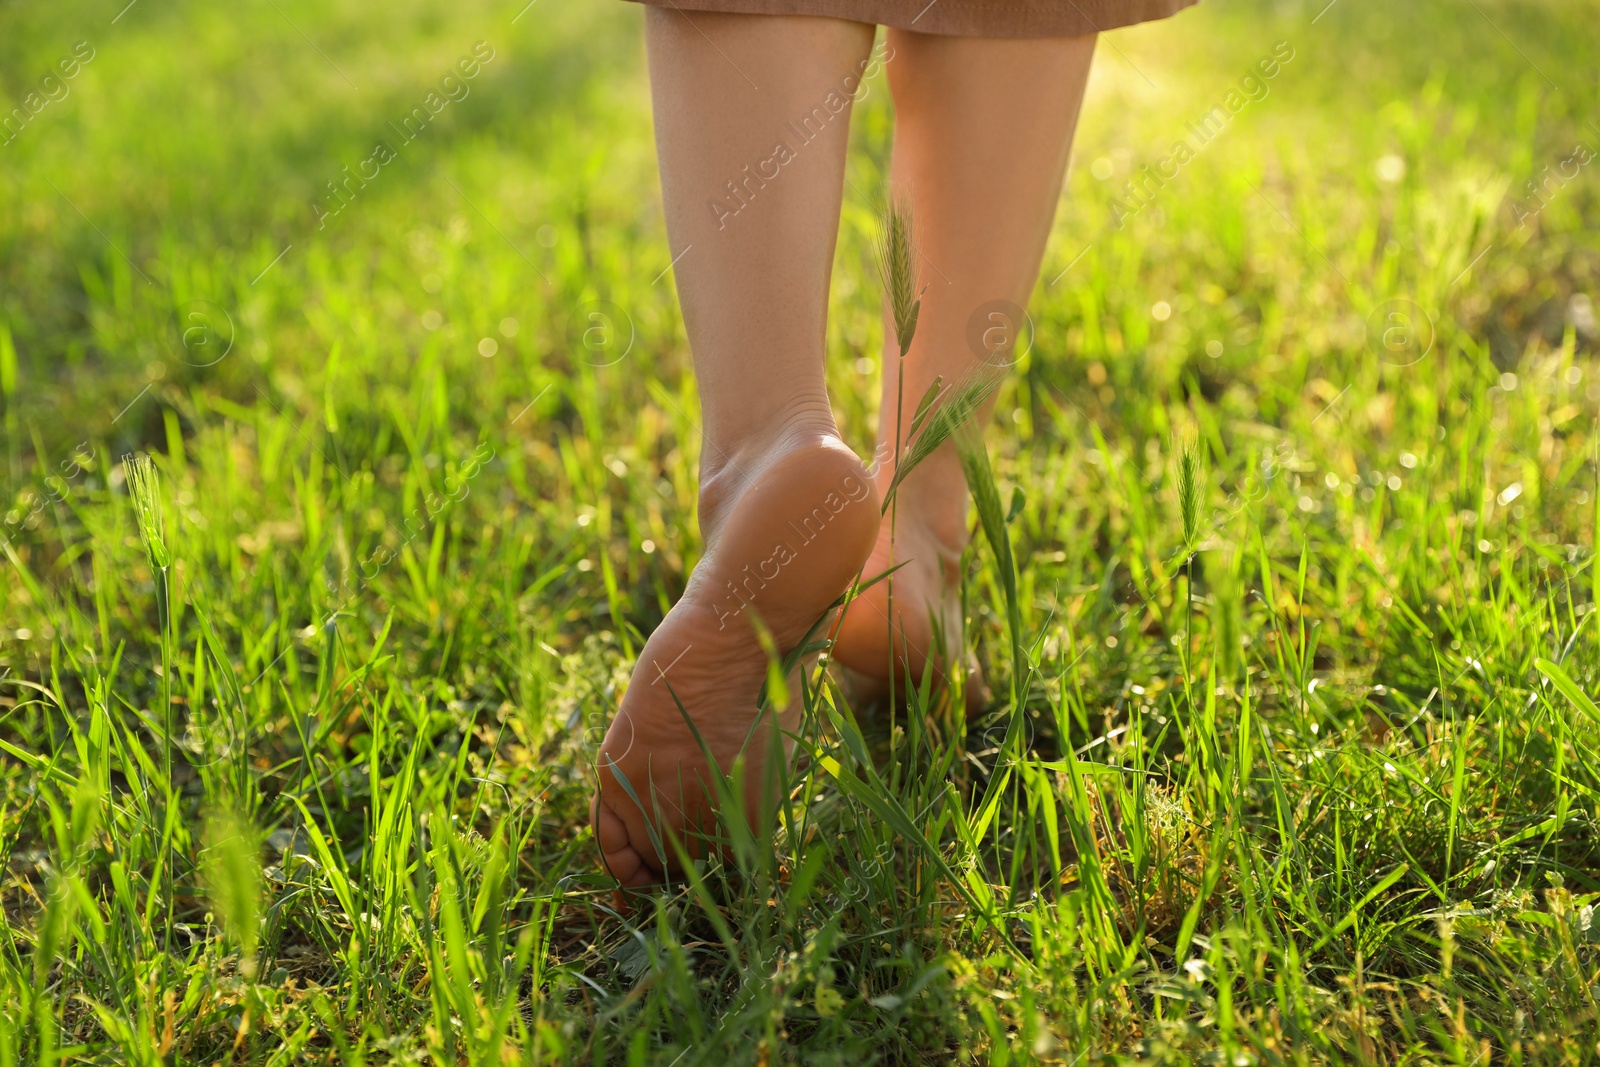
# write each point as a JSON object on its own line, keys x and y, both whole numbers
{"x": 967, "y": 18}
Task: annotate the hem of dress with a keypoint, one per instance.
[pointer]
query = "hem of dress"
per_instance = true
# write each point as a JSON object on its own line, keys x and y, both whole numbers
{"x": 963, "y": 18}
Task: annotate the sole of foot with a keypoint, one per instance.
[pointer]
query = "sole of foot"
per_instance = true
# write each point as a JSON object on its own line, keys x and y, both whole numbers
{"x": 790, "y": 542}
{"x": 924, "y": 597}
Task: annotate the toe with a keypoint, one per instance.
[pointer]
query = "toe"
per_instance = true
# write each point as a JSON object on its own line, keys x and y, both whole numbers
{"x": 626, "y": 863}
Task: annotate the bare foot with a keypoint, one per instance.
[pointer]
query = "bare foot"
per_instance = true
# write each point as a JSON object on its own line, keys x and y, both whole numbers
{"x": 928, "y": 540}
{"x": 782, "y": 547}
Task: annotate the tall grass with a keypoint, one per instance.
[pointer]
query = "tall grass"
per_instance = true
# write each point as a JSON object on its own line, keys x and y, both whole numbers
{"x": 1292, "y": 758}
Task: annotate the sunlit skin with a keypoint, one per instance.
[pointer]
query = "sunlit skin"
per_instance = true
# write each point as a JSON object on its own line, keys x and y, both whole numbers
{"x": 790, "y": 516}
{"x": 754, "y": 292}
{"x": 982, "y": 132}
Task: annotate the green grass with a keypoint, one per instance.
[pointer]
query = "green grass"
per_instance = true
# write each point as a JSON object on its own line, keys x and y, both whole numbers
{"x": 1295, "y": 755}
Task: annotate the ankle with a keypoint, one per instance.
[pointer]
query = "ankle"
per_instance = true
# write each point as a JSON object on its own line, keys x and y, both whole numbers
{"x": 933, "y": 499}
{"x": 728, "y": 466}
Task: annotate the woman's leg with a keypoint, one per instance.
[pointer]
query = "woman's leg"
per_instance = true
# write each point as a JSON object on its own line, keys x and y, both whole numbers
{"x": 982, "y": 131}
{"x": 752, "y": 115}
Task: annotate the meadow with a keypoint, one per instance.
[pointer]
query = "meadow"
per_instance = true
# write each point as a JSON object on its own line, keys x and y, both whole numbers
{"x": 349, "y": 456}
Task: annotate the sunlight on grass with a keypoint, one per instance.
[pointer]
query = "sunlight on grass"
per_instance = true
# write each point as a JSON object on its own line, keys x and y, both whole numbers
{"x": 1285, "y": 585}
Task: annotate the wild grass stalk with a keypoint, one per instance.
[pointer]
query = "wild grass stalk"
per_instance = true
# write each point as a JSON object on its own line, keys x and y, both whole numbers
{"x": 897, "y": 271}
{"x": 144, "y": 493}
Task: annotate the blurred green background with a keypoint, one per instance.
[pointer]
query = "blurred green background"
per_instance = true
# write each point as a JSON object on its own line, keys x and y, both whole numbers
{"x": 187, "y": 154}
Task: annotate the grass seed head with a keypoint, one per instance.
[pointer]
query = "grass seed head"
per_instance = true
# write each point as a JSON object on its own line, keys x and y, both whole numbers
{"x": 144, "y": 488}
{"x": 897, "y": 263}
{"x": 1191, "y": 494}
